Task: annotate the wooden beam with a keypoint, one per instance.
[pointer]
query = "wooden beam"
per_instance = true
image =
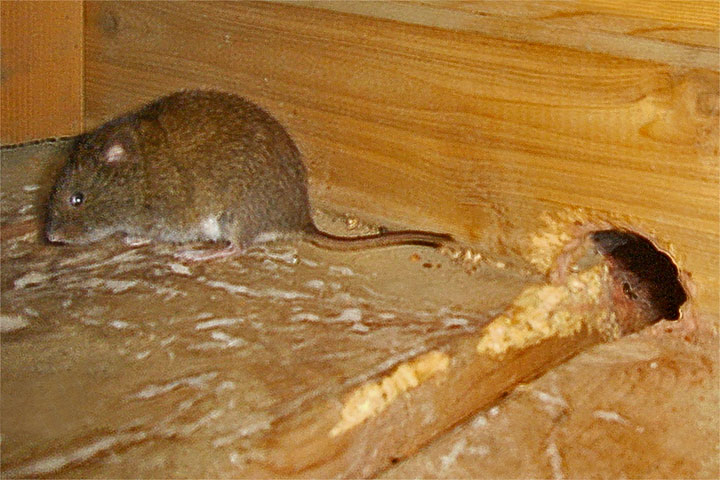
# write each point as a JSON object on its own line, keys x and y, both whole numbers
{"x": 684, "y": 34}
{"x": 468, "y": 130}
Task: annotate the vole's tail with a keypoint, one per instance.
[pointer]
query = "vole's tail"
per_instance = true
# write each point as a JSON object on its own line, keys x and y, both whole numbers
{"x": 384, "y": 239}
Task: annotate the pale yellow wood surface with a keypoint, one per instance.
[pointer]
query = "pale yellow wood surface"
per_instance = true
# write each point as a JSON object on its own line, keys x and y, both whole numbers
{"x": 121, "y": 362}
{"x": 461, "y": 123}
{"x": 42, "y": 60}
{"x": 292, "y": 361}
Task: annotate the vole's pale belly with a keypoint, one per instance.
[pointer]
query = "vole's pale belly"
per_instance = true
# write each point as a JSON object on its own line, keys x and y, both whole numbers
{"x": 210, "y": 229}
{"x": 207, "y": 229}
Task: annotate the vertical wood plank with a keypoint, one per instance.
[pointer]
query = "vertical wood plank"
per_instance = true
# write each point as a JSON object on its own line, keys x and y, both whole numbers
{"x": 42, "y": 66}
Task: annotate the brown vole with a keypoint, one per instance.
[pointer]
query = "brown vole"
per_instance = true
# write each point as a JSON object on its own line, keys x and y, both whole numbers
{"x": 193, "y": 166}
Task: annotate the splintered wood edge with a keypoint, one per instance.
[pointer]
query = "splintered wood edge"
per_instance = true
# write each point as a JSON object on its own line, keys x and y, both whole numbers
{"x": 372, "y": 398}
{"x": 387, "y": 418}
{"x": 394, "y": 415}
{"x": 544, "y": 311}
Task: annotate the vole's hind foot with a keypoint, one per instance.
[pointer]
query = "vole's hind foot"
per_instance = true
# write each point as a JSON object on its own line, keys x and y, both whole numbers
{"x": 201, "y": 255}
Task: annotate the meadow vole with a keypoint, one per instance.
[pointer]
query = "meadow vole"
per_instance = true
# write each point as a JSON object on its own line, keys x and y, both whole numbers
{"x": 194, "y": 166}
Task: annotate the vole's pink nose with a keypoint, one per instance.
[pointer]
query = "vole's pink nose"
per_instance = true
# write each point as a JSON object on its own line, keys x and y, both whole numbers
{"x": 52, "y": 234}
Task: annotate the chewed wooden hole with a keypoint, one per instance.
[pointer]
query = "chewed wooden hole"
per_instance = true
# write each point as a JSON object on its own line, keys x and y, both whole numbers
{"x": 646, "y": 274}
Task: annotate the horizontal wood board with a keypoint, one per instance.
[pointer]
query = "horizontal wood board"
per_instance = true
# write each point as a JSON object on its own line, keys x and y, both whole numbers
{"x": 121, "y": 362}
{"x": 676, "y": 33}
{"x": 457, "y": 128}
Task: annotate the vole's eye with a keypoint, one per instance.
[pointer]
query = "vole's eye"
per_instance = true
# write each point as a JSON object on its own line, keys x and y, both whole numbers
{"x": 76, "y": 199}
{"x": 628, "y": 291}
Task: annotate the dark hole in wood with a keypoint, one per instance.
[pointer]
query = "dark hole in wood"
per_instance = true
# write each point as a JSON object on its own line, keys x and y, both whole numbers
{"x": 647, "y": 271}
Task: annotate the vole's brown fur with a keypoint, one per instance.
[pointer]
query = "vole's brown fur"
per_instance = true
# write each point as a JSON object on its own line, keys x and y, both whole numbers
{"x": 193, "y": 166}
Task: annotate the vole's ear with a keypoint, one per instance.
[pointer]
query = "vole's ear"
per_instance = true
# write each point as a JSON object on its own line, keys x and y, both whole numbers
{"x": 115, "y": 152}
{"x": 119, "y": 148}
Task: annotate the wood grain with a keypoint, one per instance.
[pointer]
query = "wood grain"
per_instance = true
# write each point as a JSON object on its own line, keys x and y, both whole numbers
{"x": 453, "y": 125}
{"x": 42, "y": 64}
{"x": 124, "y": 363}
{"x": 288, "y": 361}
{"x": 676, "y": 33}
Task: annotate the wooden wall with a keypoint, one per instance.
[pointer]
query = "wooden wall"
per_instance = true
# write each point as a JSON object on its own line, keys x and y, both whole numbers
{"x": 41, "y": 69}
{"x": 479, "y": 119}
